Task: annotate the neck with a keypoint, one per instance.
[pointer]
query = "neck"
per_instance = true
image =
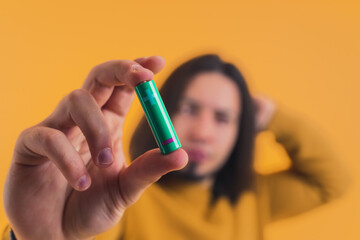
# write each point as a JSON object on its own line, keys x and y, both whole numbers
{"x": 207, "y": 182}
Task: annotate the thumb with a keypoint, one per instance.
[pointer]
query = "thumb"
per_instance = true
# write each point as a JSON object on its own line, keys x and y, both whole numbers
{"x": 147, "y": 169}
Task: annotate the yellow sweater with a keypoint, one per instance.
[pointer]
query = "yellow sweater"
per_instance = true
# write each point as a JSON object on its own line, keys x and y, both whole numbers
{"x": 183, "y": 211}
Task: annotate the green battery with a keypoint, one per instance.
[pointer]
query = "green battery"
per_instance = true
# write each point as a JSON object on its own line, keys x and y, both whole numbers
{"x": 157, "y": 117}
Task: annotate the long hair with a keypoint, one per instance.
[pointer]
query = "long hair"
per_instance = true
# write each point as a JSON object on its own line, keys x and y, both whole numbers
{"x": 237, "y": 173}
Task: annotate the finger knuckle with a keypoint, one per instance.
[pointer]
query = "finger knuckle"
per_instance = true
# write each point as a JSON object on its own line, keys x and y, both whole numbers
{"x": 96, "y": 68}
{"x": 25, "y": 133}
{"x": 49, "y": 137}
{"x": 78, "y": 94}
{"x": 127, "y": 66}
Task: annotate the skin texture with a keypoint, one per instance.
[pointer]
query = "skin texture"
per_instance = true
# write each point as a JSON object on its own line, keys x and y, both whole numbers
{"x": 68, "y": 178}
{"x": 207, "y": 123}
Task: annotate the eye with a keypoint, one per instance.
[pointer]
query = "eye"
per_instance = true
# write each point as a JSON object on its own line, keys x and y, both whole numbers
{"x": 188, "y": 109}
{"x": 222, "y": 118}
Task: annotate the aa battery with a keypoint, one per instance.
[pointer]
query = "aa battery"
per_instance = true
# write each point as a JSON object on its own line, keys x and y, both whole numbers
{"x": 157, "y": 117}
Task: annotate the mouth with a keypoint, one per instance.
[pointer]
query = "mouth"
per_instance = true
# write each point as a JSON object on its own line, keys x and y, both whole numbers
{"x": 196, "y": 155}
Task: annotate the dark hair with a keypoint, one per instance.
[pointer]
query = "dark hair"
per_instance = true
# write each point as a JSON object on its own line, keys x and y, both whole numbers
{"x": 237, "y": 173}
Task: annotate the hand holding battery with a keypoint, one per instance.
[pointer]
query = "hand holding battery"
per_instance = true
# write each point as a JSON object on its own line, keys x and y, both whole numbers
{"x": 79, "y": 146}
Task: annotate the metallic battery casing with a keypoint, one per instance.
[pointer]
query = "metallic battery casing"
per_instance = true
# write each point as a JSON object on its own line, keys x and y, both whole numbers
{"x": 157, "y": 117}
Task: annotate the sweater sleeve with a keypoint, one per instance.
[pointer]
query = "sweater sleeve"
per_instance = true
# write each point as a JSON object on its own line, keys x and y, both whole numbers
{"x": 315, "y": 177}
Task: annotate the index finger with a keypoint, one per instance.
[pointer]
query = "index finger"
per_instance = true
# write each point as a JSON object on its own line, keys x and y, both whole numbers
{"x": 122, "y": 96}
{"x": 104, "y": 77}
{"x": 154, "y": 63}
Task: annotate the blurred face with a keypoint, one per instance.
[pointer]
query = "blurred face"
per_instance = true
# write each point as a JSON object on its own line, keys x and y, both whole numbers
{"x": 207, "y": 123}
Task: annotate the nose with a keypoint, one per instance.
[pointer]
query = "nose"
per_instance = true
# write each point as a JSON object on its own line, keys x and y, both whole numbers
{"x": 203, "y": 127}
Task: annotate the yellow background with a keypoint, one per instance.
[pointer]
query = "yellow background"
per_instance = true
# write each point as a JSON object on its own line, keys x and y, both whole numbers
{"x": 304, "y": 54}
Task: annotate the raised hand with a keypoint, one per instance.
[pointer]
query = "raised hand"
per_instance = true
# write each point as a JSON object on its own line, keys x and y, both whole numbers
{"x": 68, "y": 177}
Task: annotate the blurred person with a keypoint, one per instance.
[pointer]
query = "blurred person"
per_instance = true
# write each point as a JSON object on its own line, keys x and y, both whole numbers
{"x": 69, "y": 180}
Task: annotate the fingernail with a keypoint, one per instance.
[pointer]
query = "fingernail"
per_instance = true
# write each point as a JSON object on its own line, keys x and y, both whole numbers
{"x": 105, "y": 157}
{"x": 83, "y": 183}
{"x": 141, "y": 59}
{"x": 137, "y": 68}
